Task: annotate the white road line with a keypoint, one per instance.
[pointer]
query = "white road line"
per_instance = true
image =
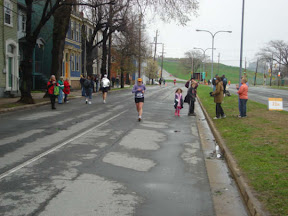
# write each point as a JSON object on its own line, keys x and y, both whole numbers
{"x": 54, "y": 149}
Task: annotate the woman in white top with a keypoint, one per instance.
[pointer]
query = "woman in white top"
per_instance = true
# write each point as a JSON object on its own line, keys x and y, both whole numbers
{"x": 105, "y": 85}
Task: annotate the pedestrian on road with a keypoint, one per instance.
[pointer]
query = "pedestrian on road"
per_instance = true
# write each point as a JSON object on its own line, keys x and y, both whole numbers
{"x": 138, "y": 90}
{"x": 218, "y": 98}
{"x": 105, "y": 85}
{"x": 174, "y": 82}
{"x": 88, "y": 85}
{"x": 178, "y": 101}
{"x": 66, "y": 89}
{"x": 51, "y": 85}
{"x": 61, "y": 87}
{"x": 191, "y": 95}
{"x": 243, "y": 97}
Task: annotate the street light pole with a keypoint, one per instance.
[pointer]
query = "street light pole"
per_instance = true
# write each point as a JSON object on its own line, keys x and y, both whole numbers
{"x": 213, "y": 36}
{"x": 241, "y": 47}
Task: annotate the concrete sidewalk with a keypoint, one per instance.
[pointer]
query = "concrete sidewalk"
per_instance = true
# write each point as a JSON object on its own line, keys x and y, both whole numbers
{"x": 11, "y": 104}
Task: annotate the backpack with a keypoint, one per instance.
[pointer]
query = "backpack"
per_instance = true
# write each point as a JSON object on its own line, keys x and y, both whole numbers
{"x": 56, "y": 90}
{"x": 86, "y": 83}
{"x": 225, "y": 81}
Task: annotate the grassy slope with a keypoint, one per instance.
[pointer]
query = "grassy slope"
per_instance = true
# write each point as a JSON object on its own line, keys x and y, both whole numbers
{"x": 232, "y": 73}
{"x": 259, "y": 144}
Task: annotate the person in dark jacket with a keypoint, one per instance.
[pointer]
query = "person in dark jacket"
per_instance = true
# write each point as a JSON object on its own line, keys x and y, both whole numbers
{"x": 88, "y": 85}
{"x": 218, "y": 98}
{"x": 50, "y": 86}
{"x": 191, "y": 95}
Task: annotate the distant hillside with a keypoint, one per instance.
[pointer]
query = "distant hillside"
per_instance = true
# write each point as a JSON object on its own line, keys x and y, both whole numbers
{"x": 174, "y": 67}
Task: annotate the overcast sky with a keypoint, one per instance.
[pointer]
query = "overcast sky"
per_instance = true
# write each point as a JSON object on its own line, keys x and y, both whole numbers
{"x": 264, "y": 20}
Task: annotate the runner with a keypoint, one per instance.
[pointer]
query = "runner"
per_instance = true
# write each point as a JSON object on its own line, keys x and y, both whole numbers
{"x": 139, "y": 90}
{"x": 105, "y": 85}
{"x": 174, "y": 82}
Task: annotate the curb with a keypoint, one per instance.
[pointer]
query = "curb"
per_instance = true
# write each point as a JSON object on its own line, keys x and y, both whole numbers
{"x": 253, "y": 205}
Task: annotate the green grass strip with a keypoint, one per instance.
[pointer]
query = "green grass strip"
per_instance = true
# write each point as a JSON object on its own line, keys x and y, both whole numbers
{"x": 259, "y": 144}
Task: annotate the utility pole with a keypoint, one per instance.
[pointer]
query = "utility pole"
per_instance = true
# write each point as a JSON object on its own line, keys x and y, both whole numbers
{"x": 155, "y": 45}
{"x": 162, "y": 61}
{"x": 139, "y": 57}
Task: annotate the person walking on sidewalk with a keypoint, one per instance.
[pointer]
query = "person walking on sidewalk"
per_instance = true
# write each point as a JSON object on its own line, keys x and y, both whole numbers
{"x": 218, "y": 98}
{"x": 243, "y": 97}
{"x": 66, "y": 90}
{"x": 61, "y": 87}
{"x": 51, "y": 85}
{"x": 178, "y": 101}
{"x": 88, "y": 85}
{"x": 138, "y": 90}
{"x": 191, "y": 96}
{"x": 105, "y": 85}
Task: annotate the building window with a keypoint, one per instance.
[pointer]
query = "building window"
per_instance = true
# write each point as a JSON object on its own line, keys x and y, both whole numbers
{"x": 10, "y": 49}
{"x": 79, "y": 60}
{"x": 23, "y": 24}
{"x": 8, "y": 13}
{"x": 77, "y": 63}
{"x": 72, "y": 62}
{"x": 77, "y": 32}
{"x": 72, "y": 30}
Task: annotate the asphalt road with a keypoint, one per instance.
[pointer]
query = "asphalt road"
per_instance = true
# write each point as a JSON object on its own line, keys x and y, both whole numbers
{"x": 262, "y": 94}
{"x": 99, "y": 160}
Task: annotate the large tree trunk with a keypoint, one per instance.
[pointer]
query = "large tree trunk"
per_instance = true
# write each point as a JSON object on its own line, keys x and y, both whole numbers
{"x": 27, "y": 67}
{"x": 89, "y": 60}
{"x": 122, "y": 71}
{"x": 104, "y": 53}
{"x": 61, "y": 26}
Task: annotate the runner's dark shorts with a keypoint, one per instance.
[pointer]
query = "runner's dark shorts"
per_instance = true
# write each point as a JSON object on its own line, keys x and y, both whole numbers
{"x": 137, "y": 100}
{"x": 105, "y": 89}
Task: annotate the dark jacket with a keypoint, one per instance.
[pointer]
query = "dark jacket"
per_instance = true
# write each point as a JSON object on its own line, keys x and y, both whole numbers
{"x": 218, "y": 93}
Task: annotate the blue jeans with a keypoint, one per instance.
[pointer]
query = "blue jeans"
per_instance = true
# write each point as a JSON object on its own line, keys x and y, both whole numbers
{"x": 243, "y": 103}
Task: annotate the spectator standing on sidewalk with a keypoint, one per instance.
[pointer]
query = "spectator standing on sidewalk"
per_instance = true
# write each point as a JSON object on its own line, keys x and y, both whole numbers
{"x": 191, "y": 95}
{"x": 243, "y": 97}
{"x": 51, "y": 85}
{"x": 66, "y": 89}
{"x": 218, "y": 98}
{"x": 139, "y": 90}
{"x": 105, "y": 85}
{"x": 61, "y": 87}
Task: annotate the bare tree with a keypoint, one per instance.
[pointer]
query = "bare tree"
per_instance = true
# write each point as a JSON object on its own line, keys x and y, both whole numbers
{"x": 193, "y": 60}
{"x": 151, "y": 69}
{"x": 276, "y": 52}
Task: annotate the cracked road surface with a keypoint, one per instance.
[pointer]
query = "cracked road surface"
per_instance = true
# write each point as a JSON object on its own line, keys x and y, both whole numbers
{"x": 99, "y": 160}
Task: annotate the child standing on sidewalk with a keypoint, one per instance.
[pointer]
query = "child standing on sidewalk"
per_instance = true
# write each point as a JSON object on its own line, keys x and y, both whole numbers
{"x": 178, "y": 102}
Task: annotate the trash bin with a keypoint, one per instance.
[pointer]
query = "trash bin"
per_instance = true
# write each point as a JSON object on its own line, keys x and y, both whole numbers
{"x": 282, "y": 82}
